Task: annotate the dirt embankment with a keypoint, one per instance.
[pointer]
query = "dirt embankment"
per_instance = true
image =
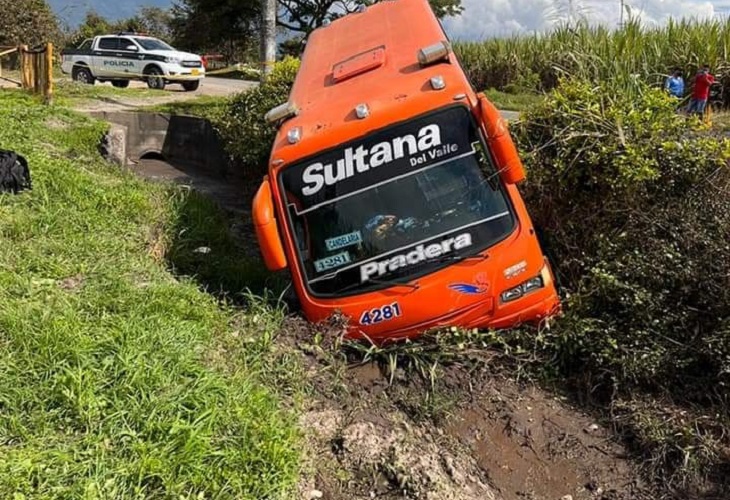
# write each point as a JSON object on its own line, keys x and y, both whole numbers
{"x": 473, "y": 434}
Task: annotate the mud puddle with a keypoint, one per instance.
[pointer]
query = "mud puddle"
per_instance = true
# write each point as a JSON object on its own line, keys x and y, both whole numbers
{"x": 465, "y": 434}
{"x": 533, "y": 445}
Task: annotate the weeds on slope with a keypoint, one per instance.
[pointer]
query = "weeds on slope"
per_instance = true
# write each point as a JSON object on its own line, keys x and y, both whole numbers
{"x": 117, "y": 379}
{"x": 199, "y": 243}
{"x": 204, "y": 106}
{"x": 635, "y": 201}
{"x": 69, "y": 92}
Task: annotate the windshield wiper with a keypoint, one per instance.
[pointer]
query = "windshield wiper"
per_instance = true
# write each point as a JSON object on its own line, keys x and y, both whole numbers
{"x": 395, "y": 282}
{"x": 392, "y": 282}
{"x": 457, "y": 258}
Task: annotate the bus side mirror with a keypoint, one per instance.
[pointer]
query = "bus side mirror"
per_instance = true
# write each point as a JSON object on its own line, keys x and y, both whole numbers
{"x": 267, "y": 232}
{"x": 500, "y": 143}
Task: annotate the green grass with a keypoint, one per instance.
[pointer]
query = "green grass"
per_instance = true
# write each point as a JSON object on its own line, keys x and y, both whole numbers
{"x": 119, "y": 380}
{"x": 224, "y": 271}
{"x": 720, "y": 121}
{"x": 68, "y": 92}
{"x": 203, "y": 106}
{"x": 513, "y": 102}
{"x": 245, "y": 73}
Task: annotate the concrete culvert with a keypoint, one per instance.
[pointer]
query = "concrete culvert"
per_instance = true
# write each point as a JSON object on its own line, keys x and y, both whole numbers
{"x": 153, "y": 155}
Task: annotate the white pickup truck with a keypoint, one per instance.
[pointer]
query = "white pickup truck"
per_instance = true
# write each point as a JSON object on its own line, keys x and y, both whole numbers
{"x": 129, "y": 56}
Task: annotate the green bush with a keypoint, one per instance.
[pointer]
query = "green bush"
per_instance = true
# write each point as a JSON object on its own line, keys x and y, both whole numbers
{"x": 248, "y": 137}
{"x": 635, "y": 201}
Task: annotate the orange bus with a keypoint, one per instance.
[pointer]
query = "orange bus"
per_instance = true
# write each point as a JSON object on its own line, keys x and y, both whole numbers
{"x": 391, "y": 189}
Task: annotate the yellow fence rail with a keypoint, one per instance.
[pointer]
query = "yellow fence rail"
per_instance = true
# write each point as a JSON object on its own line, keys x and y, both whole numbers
{"x": 6, "y": 51}
{"x": 36, "y": 69}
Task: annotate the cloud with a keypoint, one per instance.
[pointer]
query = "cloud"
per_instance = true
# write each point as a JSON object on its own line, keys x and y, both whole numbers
{"x": 488, "y": 18}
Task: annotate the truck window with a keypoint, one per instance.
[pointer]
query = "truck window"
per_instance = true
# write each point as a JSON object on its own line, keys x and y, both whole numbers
{"x": 109, "y": 43}
{"x": 153, "y": 44}
{"x": 86, "y": 44}
{"x": 395, "y": 205}
{"x": 124, "y": 43}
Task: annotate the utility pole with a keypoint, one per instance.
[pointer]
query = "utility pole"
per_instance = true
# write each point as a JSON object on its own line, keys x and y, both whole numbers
{"x": 268, "y": 37}
{"x": 621, "y": 15}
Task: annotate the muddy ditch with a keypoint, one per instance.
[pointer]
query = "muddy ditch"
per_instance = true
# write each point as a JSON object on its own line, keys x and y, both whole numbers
{"x": 463, "y": 434}
{"x": 464, "y": 431}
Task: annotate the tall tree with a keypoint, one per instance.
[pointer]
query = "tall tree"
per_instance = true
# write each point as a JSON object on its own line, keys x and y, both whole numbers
{"x": 152, "y": 21}
{"x": 156, "y": 22}
{"x": 444, "y": 8}
{"x": 304, "y": 16}
{"x": 93, "y": 25}
{"x": 228, "y": 26}
{"x": 268, "y": 37}
{"x": 27, "y": 22}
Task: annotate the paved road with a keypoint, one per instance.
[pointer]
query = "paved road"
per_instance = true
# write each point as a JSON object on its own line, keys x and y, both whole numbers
{"x": 225, "y": 86}
{"x": 210, "y": 86}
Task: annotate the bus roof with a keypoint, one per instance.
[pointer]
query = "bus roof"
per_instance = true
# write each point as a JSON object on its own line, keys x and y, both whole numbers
{"x": 368, "y": 57}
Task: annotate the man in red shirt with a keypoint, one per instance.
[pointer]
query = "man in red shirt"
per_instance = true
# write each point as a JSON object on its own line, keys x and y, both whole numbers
{"x": 701, "y": 91}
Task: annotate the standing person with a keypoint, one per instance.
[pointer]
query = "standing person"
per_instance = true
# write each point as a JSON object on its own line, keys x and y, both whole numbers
{"x": 675, "y": 84}
{"x": 701, "y": 91}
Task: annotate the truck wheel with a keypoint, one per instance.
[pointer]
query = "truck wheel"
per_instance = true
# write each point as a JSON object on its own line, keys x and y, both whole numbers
{"x": 155, "y": 78}
{"x": 120, "y": 84}
{"x": 82, "y": 74}
{"x": 191, "y": 86}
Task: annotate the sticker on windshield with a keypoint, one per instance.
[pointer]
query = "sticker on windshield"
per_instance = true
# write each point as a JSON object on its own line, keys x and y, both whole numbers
{"x": 332, "y": 261}
{"x": 343, "y": 241}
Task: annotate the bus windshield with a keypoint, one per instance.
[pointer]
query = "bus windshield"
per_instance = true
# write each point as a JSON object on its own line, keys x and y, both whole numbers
{"x": 396, "y": 205}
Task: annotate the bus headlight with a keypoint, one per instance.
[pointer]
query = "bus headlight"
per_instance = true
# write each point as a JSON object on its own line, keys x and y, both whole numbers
{"x": 532, "y": 284}
{"x": 512, "y": 294}
{"x": 523, "y": 289}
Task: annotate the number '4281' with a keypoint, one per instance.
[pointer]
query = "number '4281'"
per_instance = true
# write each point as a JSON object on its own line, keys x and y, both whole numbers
{"x": 379, "y": 314}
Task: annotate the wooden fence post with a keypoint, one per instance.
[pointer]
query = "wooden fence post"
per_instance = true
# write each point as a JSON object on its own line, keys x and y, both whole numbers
{"x": 23, "y": 66}
{"x": 48, "y": 83}
{"x": 21, "y": 58}
{"x": 37, "y": 72}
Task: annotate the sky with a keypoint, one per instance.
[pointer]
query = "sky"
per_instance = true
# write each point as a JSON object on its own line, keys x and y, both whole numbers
{"x": 481, "y": 18}
{"x": 487, "y": 18}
